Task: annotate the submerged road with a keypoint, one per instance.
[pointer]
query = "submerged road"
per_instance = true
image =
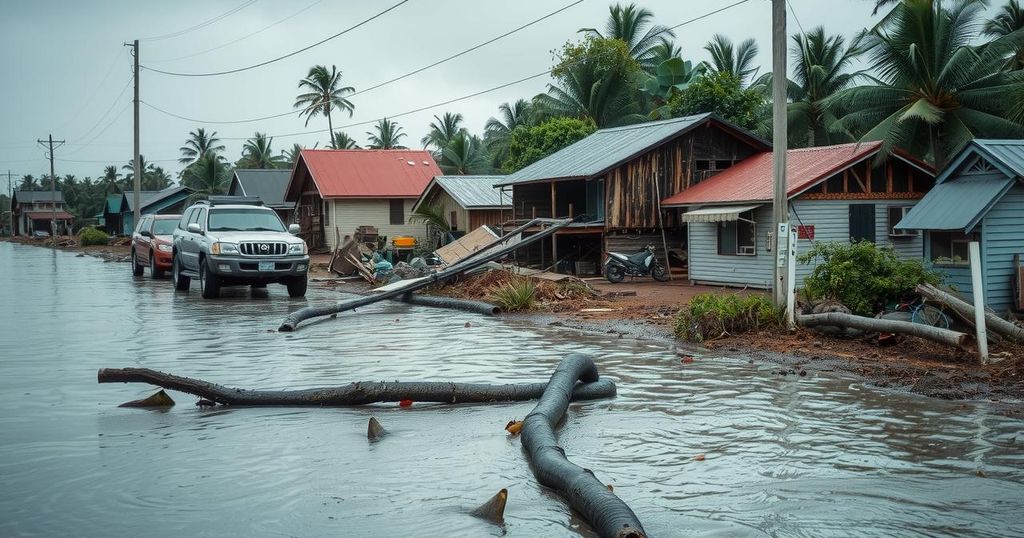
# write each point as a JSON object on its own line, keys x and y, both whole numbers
{"x": 783, "y": 456}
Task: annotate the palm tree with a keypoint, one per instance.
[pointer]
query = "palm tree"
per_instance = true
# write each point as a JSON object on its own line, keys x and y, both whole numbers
{"x": 388, "y": 135}
{"x": 257, "y": 153}
{"x": 209, "y": 176}
{"x": 666, "y": 49}
{"x": 1010, "y": 19}
{"x": 324, "y": 95}
{"x": 584, "y": 92}
{"x": 343, "y": 141}
{"x": 463, "y": 155}
{"x": 628, "y": 24}
{"x": 28, "y": 183}
{"x": 156, "y": 179}
{"x": 737, "y": 60}
{"x": 443, "y": 130}
{"x": 498, "y": 131}
{"x": 820, "y": 70}
{"x": 935, "y": 91}
{"x": 110, "y": 180}
{"x": 198, "y": 144}
{"x": 129, "y": 177}
{"x": 289, "y": 156}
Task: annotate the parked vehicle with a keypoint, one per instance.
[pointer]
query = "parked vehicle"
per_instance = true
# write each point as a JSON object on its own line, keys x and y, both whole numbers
{"x": 618, "y": 266}
{"x": 152, "y": 244}
{"x": 233, "y": 241}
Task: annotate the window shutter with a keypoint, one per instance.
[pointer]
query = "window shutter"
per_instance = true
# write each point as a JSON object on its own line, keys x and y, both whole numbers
{"x": 862, "y": 222}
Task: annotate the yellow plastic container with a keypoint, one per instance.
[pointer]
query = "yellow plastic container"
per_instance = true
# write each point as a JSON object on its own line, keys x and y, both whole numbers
{"x": 404, "y": 241}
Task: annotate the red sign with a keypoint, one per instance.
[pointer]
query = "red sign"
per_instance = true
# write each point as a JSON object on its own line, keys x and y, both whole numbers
{"x": 805, "y": 232}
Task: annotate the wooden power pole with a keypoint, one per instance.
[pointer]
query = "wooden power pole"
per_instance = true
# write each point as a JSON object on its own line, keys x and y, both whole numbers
{"x": 137, "y": 182}
{"x": 780, "y": 209}
{"x": 53, "y": 187}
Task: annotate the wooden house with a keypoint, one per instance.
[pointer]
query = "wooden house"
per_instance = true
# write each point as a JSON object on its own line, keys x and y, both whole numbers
{"x": 467, "y": 202}
{"x": 168, "y": 201}
{"x": 39, "y": 211}
{"x": 978, "y": 197}
{"x": 267, "y": 185}
{"x": 836, "y": 193}
{"x": 114, "y": 208}
{"x": 613, "y": 181}
{"x": 338, "y": 190}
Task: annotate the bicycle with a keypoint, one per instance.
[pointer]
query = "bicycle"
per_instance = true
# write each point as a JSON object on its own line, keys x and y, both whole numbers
{"x": 924, "y": 314}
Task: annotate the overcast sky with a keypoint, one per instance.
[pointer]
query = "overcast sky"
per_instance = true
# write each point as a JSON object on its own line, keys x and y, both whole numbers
{"x": 64, "y": 65}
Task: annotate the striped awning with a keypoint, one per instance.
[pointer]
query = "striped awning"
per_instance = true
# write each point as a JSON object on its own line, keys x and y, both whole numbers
{"x": 718, "y": 214}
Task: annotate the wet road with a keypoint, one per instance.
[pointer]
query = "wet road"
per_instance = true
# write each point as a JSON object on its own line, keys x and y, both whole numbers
{"x": 815, "y": 456}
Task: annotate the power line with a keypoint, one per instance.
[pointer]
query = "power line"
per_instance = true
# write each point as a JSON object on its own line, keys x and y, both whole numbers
{"x": 107, "y": 112}
{"x": 710, "y": 13}
{"x": 279, "y": 58}
{"x": 200, "y": 25}
{"x": 81, "y": 107}
{"x": 180, "y": 117}
{"x": 247, "y": 36}
{"x": 108, "y": 161}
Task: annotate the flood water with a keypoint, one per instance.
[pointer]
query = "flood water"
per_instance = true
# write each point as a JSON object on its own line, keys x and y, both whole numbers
{"x": 814, "y": 456}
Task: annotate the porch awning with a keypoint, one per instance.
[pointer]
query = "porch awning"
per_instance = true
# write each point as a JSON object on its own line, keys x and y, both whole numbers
{"x": 47, "y": 215}
{"x": 718, "y": 214}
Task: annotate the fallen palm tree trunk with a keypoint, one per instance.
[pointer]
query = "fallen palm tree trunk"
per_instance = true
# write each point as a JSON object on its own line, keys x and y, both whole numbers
{"x": 470, "y": 262}
{"x": 836, "y": 319}
{"x": 477, "y": 307}
{"x": 605, "y": 512}
{"x": 359, "y": 393}
{"x": 965, "y": 310}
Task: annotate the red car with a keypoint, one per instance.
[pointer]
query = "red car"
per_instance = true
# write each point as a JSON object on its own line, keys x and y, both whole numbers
{"x": 151, "y": 244}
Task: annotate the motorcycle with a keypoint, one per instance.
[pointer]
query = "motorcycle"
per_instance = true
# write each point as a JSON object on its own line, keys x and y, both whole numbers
{"x": 643, "y": 263}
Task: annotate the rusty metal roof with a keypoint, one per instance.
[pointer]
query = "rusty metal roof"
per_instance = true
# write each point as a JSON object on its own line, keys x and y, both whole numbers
{"x": 752, "y": 180}
{"x": 366, "y": 173}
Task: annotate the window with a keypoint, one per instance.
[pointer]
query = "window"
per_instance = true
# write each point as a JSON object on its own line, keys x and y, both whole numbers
{"x": 397, "y": 211}
{"x": 143, "y": 224}
{"x": 862, "y": 222}
{"x": 185, "y": 219}
{"x": 896, "y": 214}
{"x": 950, "y": 248}
{"x": 327, "y": 214}
{"x": 245, "y": 220}
{"x": 163, "y": 227}
{"x": 198, "y": 217}
{"x": 738, "y": 238}
{"x": 453, "y": 220}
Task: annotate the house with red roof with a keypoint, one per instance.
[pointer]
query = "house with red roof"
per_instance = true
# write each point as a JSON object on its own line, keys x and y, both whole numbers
{"x": 338, "y": 190}
{"x": 40, "y": 211}
{"x": 837, "y": 193}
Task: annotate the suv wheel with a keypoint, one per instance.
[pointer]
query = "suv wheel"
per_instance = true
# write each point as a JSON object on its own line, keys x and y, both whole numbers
{"x": 181, "y": 282}
{"x": 209, "y": 283}
{"x": 136, "y": 268}
{"x": 297, "y": 286}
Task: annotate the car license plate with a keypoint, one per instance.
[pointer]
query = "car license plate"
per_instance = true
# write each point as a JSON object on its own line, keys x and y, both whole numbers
{"x": 266, "y": 266}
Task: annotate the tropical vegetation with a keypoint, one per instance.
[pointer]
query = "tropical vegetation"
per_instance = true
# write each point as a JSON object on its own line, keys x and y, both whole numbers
{"x": 324, "y": 94}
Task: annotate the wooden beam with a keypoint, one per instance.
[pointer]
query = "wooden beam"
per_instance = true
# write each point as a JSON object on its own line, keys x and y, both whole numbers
{"x": 865, "y": 188}
{"x": 553, "y": 206}
{"x": 846, "y": 181}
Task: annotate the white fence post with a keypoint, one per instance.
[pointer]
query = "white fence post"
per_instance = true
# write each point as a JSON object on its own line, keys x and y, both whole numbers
{"x": 978, "y": 291}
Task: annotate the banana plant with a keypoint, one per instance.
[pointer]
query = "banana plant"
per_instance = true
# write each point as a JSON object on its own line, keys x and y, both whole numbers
{"x": 670, "y": 76}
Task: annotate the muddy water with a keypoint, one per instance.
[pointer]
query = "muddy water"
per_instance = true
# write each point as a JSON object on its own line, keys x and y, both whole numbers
{"x": 813, "y": 456}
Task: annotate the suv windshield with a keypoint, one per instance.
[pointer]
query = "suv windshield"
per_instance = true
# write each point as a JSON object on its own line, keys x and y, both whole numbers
{"x": 164, "y": 226}
{"x": 244, "y": 220}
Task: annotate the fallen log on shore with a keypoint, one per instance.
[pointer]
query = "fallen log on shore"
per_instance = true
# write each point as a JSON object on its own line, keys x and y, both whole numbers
{"x": 965, "y": 310}
{"x": 836, "y": 319}
{"x": 466, "y": 305}
{"x": 359, "y": 393}
{"x": 605, "y": 512}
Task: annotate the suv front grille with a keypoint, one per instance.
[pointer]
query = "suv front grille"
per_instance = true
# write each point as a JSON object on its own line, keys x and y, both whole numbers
{"x": 263, "y": 248}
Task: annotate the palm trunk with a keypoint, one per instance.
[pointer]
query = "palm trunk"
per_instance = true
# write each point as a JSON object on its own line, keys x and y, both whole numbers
{"x": 330, "y": 129}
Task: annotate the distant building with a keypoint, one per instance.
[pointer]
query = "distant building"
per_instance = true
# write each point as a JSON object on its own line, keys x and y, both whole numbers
{"x": 467, "y": 202}
{"x": 33, "y": 211}
{"x": 267, "y": 185}
{"x": 978, "y": 197}
{"x": 837, "y": 193}
{"x": 165, "y": 202}
{"x": 336, "y": 191}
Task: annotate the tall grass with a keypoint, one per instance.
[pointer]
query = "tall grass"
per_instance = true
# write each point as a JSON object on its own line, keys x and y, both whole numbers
{"x": 711, "y": 315}
{"x": 516, "y": 295}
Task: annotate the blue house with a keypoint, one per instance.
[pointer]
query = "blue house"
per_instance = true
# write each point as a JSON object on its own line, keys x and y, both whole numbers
{"x": 978, "y": 197}
{"x": 166, "y": 202}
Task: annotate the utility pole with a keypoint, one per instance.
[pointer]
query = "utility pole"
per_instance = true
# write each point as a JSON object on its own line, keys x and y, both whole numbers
{"x": 137, "y": 183}
{"x": 53, "y": 188}
{"x": 780, "y": 209}
{"x": 10, "y": 203}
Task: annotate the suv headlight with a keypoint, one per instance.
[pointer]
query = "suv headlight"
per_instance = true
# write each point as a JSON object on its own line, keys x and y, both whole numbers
{"x": 224, "y": 248}
{"x": 164, "y": 247}
{"x": 297, "y": 248}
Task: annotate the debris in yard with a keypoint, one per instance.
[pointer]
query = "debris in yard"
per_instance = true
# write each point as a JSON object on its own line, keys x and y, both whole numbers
{"x": 158, "y": 399}
{"x": 699, "y": 457}
{"x": 570, "y": 294}
{"x": 405, "y": 403}
{"x": 494, "y": 509}
{"x": 514, "y": 426}
{"x": 374, "y": 430}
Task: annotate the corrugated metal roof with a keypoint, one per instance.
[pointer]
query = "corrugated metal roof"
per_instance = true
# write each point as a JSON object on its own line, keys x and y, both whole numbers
{"x": 30, "y": 197}
{"x": 1008, "y": 152}
{"x": 958, "y": 204}
{"x": 267, "y": 185}
{"x": 718, "y": 214}
{"x": 474, "y": 192}
{"x": 368, "y": 173}
{"x": 752, "y": 180}
{"x": 114, "y": 202}
{"x": 148, "y": 198}
{"x": 607, "y": 148}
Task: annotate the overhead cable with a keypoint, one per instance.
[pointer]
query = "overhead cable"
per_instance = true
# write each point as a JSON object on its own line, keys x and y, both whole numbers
{"x": 203, "y": 24}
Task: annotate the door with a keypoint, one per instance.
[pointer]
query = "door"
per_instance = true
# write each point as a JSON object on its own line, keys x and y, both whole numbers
{"x": 190, "y": 245}
{"x": 862, "y": 222}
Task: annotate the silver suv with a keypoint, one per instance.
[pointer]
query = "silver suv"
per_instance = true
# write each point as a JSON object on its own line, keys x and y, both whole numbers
{"x": 229, "y": 241}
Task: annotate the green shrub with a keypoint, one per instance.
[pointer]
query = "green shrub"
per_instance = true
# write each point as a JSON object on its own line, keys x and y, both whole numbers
{"x": 92, "y": 236}
{"x": 516, "y": 295}
{"x": 862, "y": 276}
{"x": 710, "y": 315}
